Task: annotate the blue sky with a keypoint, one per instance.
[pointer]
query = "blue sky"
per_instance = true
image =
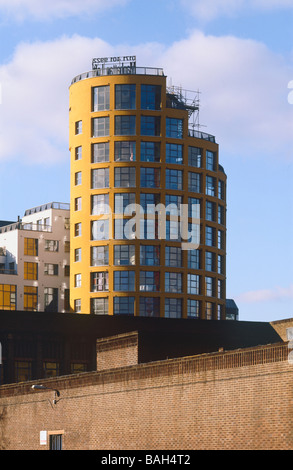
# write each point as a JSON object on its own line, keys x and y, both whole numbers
{"x": 238, "y": 53}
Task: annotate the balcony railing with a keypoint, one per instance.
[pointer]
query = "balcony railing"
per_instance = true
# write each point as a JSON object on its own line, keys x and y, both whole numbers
{"x": 28, "y": 226}
{"x": 201, "y": 135}
{"x": 123, "y": 70}
{"x": 50, "y": 205}
{"x": 11, "y": 272}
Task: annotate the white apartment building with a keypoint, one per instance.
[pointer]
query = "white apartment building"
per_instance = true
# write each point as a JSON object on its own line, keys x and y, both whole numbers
{"x": 34, "y": 260}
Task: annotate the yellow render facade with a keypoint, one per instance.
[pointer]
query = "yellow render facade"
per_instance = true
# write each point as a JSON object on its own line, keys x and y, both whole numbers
{"x": 130, "y": 143}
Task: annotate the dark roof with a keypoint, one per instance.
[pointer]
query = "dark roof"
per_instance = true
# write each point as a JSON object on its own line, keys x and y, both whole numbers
{"x": 3, "y": 223}
{"x": 160, "y": 338}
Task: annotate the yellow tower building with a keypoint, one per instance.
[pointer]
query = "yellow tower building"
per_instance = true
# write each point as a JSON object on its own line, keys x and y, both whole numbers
{"x": 140, "y": 173}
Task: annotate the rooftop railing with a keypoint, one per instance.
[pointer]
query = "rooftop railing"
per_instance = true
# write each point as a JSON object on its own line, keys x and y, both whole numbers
{"x": 201, "y": 135}
{"x": 123, "y": 70}
{"x": 50, "y": 205}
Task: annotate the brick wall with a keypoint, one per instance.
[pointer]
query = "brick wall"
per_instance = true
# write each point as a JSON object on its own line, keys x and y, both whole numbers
{"x": 117, "y": 351}
{"x": 229, "y": 400}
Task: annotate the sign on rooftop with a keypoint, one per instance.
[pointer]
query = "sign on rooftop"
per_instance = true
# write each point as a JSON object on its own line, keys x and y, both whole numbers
{"x": 120, "y": 60}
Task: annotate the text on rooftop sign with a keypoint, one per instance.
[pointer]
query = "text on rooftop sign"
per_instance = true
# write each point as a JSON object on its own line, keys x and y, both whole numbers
{"x": 111, "y": 60}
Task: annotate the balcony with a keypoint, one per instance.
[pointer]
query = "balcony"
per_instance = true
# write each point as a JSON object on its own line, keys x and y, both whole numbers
{"x": 27, "y": 226}
{"x": 11, "y": 272}
{"x": 116, "y": 70}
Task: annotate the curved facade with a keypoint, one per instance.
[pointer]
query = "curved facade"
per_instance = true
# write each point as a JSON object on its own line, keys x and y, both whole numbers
{"x": 130, "y": 143}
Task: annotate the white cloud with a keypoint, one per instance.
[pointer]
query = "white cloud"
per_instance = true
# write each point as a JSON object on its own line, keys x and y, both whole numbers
{"x": 207, "y": 10}
{"x": 42, "y": 9}
{"x": 244, "y": 87}
{"x": 266, "y": 295}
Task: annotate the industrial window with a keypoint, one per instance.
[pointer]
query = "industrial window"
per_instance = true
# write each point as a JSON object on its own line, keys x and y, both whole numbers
{"x": 220, "y": 264}
{"x": 173, "y": 230}
{"x": 151, "y": 97}
{"x": 78, "y": 127}
{"x": 100, "y": 229}
{"x": 194, "y": 207}
{"x": 173, "y": 308}
{"x": 51, "y": 245}
{"x": 100, "y": 178}
{"x": 173, "y": 203}
{"x": 174, "y": 128}
{"x": 99, "y": 281}
{"x": 100, "y": 306}
{"x": 124, "y": 281}
{"x": 122, "y": 200}
{"x": 50, "y": 369}
{"x": 150, "y": 151}
{"x": 30, "y": 300}
{"x": 125, "y": 125}
{"x": 210, "y": 160}
{"x": 101, "y": 98}
{"x": 7, "y": 297}
{"x": 51, "y": 269}
{"x": 194, "y": 182}
{"x": 77, "y": 229}
{"x": 31, "y": 246}
{"x": 210, "y": 261}
{"x": 101, "y": 126}
{"x": 220, "y": 239}
{"x": 221, "y": 190}
{"x": 100, "y": 255}
{"x": 209, "y": 286}
{"x": 100, "y": 152}
{"x": 221, "y": 214}
{"x": 174, "y": 179}
{"x": 209, "y": 309}
{"x": 210, "y": 236}
{"x": 149, "y": 306}
{"x": 124, "y": 305}
{"x": 193, "y": 308}
{"x": 150, "y": 177}
{"x": 124, "y": 177}
{"x": 150, "y": 255}
{"x": 78, "y": 152}
{"x": 55, "y": 441}
{"x": 210, "y": 211}
{"x": 150, "y": 125}
{"x": 220, "y": 289}
{"x": 193, "y": 284}
{"x": 77, "y": 280}
{"x": 100, "y": 204}
{"x": 77, "y": 204}
{"x": 148, "y": 200}
{"x": 77, "y": 305}
{"x": 173, "y": 282}
{"x": 174, "y": 154}
{"x": 31, "y": 271}
{"x": 51, "y": 299}
{"x": 193, "y": 259}
{"x": 149, "y": 281}
{"x": 125, "y": 151}
{"x": 194, "y": 156}
{"x": 173, "y": 256}
{"x": 77, "y": 178}
{"x": 77, "y": 255}
{"x": 22, "y": 371}
{"x": 125, "y": 96}
{"x": 124, "y": 255}
{"x": 210, "y": 186}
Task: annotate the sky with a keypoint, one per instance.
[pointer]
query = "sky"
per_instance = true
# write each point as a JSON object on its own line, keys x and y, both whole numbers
{"x": 237, "y": 53}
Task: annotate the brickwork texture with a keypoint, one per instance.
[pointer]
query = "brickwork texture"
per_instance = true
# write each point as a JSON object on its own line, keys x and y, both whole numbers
{"x": 238, "y": 400}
